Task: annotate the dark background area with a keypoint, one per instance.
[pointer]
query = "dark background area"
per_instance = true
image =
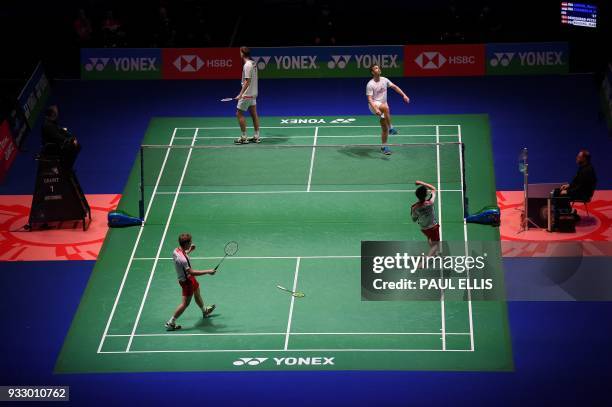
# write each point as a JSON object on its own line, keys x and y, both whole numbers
{"x": 45, "y": 30}
{"x": 561, "y": 349}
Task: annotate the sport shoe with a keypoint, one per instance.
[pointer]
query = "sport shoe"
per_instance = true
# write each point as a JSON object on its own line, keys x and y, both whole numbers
{"x": 171, "y": 326}
{"x": 385, "y": 150}
{"x": 392, "y": 131}
{"x": 209, "y": 310}
{"x": 255, "y": 139}
{"x": 241, "y": 140}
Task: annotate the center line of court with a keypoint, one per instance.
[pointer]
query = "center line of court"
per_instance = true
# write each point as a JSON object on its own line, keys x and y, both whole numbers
{"x": 314, "y": 147}
{"x": 295, "y": 279}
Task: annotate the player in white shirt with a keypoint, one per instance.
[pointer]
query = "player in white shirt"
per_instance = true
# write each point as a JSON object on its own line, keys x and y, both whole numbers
{"x": 247, "y": 98}
{"x": 376, "y": 91}
{"x": 187, "y": 280}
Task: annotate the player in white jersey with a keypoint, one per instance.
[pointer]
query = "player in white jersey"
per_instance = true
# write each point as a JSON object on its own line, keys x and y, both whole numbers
{"x": 186, "y": 278}
{"x": 376, "y": 91}
{"x": 422, "y": 212}
{"x": 247, "y": 98}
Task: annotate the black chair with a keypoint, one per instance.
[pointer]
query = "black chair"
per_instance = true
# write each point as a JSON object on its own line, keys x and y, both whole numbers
{"x": 583, "y": 201}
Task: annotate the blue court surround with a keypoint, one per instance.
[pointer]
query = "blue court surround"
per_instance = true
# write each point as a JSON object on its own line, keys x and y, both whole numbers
{"x": 561, "y": 350}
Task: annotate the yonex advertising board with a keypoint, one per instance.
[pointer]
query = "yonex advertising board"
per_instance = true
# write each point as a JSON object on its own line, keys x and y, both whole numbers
{"x": 528, "y": 58}
{"x": 120, "y": 63}
{"x": 327, "y": 62}
{"x": 444, "y": 60}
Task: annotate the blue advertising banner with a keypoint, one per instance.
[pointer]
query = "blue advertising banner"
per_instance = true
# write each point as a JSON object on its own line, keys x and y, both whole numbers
{"x": 527, "y": 58}
{"x": 328, "y": 62}
{"x": 121, "y": 63}
{"x": 34, "y": 95}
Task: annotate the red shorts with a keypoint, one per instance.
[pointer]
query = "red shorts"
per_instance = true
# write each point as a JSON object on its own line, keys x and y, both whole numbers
{"x": 189, "y": 286}
{"x": 432, "y": 233}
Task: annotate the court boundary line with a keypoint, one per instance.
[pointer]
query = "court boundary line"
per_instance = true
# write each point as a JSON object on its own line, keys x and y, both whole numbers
{"x": 292, "y": 333}
{"x": 161, "y": 244}
{"x": 136, "y": 243}
{"x": 292, "y": 137}
{"x": 331, "y": 191}
{"x": 465, "y": 237}
{"x": 272, "y": 192}
{"x": 297, "y": 126}
{"x": 284, "y": 351}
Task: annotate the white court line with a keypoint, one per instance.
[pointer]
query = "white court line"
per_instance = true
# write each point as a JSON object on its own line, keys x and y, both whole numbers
{"x": 294, "y": 333}
{"x": 312, "y": 157}
{"x": 465, "y": 238}
{"x": 129, "y": 265}
{"x": 161, "y": 244}
{"x": 312, "y": 127}
{"x": 295, "y": 280}
{"x": 255, "y": 257}
{"x": 349, "y": 136}
{"x": 288, "y": 350}
{"x": 348, "y": 191}
{"x": 442, "y": 305}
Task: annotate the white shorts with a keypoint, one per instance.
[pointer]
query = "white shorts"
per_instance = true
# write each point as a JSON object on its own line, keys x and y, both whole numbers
{"x": 377, "y": 104}
{"x": 246, "y": 102}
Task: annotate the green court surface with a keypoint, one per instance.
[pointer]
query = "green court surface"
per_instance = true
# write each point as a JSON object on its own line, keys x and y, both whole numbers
{"x": 299, "y": 204}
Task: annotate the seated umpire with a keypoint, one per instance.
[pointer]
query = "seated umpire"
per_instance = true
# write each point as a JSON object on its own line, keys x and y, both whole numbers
{"x": 56, "y": 140}
{"x": 583, "y": 185}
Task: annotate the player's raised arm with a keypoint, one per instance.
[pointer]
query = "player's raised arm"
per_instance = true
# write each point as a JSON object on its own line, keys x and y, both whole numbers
{"x": 400, "y": 92}
{"x": 426, "y": 185}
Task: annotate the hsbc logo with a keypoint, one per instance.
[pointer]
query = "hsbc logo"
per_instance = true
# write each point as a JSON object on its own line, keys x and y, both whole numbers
{"x": 188, "y": 63}
{"x": 287, "y": 361}
{"x": 435, "y": 60}
{"x": 261, "y": 62}
{"x": 430, "y": 60}
{"x": 501, "y": 59}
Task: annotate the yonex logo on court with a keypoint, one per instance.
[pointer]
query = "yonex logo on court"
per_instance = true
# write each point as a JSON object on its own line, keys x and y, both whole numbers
{"x": 501, "y": 58}
{"x": 188, "y": 63}
{"x": 261, "y": 62}
{"x": 339, "y": 61}
{"x": 96, "y": 63}
{"x": 249, "y": 361}
{"x": 341, "y": 120}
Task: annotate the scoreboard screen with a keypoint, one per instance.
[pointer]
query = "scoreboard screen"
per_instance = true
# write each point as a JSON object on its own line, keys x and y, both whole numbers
{"x": 579, "y": 14}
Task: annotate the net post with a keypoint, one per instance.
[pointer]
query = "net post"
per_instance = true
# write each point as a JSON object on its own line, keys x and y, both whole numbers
{"x": 141, "y": 201}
